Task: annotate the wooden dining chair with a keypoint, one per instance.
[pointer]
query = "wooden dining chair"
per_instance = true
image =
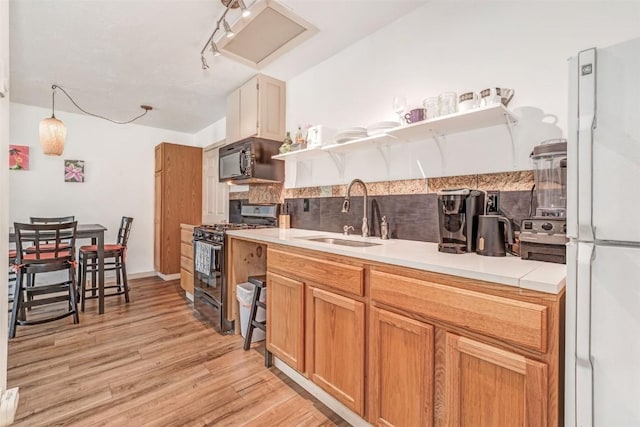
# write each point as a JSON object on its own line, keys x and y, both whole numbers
{"x": 50, "y": 220}
{"x": 11, "y": 275}
{"x": 88, "y": 264}
{"x": 53, "y": 250}
{"x": 46, "y": 245}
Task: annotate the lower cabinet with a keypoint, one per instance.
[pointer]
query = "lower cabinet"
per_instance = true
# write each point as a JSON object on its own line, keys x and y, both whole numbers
{"x": 413, "y": 348}
{"x": 335, "y": 346}
{"x": 186, "y": 258}
{"x": 488, "y": 386}
{"x": 285, "y": 320}
{"x": 401, "y": 381}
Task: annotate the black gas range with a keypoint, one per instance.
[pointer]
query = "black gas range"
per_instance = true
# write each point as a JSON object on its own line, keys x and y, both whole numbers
{"x": 210, "y": 267}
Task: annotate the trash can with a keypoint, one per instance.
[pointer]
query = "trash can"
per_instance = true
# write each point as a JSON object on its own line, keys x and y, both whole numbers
{"x": 244, "y": 294}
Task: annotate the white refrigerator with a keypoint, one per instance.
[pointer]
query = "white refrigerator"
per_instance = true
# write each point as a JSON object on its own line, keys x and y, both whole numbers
{"x": 602, "y": 364}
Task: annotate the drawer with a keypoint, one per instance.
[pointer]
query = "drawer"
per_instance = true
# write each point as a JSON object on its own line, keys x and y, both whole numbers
{"x": 337, "y": 275}
{"x": 511, "y": 320}
{"x": 186, "y": 264}
{"x": 186, "y": 235}
{"x": 186, "y": 280}
{"x": 186, "y": 250}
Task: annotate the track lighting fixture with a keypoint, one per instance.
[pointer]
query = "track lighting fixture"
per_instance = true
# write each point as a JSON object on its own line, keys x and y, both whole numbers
{"x": 223, "y": 25}
{"x": 53, "y": 132}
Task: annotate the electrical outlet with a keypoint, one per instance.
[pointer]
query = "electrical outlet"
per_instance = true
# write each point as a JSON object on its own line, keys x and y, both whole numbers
{"x": 305, "y": 205}
{"x": 493, "y": 202}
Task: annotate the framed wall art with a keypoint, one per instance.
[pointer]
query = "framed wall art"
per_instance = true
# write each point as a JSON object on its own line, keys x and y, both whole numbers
{"x": 19, "y": 157}
{"x": 74, "y": 171}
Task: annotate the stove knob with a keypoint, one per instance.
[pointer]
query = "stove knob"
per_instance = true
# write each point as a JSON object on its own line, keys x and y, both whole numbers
{"x": 547, "y": 226}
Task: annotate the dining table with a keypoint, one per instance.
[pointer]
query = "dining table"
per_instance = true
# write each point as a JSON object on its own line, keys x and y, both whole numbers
{"x": 95, "y": 232}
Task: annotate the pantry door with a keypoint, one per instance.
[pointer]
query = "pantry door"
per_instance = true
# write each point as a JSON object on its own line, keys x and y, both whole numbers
{"x": 215, "y": 197}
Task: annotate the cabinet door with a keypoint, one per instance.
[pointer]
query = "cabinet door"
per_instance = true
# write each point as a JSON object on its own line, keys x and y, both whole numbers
{"x": 285, "y": 320}
{"x": 186, "y": 281}
{"x": 215, "y": 195}
{"x": 157, "y": 223}
{"x": 233, "y": 116}
{"x": 271, "y": 108}
{"x": 488, "y": 386}
{"x": 249, "y": 108}
{"x": 335, "y": 343}
{"x": 402, "y": 354}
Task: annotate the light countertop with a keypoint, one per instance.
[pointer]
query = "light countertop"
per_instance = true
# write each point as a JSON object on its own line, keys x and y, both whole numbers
{"x": 509, "y": 270}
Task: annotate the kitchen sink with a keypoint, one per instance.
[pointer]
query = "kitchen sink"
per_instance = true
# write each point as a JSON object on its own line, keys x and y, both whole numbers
{"x": 343, "y": 242}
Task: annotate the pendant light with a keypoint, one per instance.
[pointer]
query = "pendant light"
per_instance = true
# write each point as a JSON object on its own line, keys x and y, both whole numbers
{"x": 53, "y": 132}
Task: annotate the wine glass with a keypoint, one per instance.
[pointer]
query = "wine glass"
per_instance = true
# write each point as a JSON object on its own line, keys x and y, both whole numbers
{"x": 399, "y": 106}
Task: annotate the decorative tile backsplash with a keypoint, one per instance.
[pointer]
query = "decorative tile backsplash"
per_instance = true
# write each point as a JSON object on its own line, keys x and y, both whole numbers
{"x": 505, "y": 181}
{"x": 409, "y": 205}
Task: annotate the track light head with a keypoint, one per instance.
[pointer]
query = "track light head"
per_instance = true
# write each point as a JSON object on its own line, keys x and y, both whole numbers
{"x": 245, "y": 10}
{"x": 227, "y": 29}
{"x": 214, "y": 49}
{"x": 204, "y": 62}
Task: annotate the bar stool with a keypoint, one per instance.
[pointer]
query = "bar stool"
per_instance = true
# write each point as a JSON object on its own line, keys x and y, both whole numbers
{"x": 260, "y": 283}
{"x": 43, "y": 257}
{"x": 118, "y": 252}
{"x": 11, "y": 275}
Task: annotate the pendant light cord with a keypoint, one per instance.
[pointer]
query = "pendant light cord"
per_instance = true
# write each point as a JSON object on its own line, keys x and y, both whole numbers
{"x": 146, "y": 108}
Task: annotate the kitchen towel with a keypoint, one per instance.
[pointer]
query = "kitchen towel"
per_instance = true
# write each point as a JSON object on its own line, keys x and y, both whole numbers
{"x": 204, "y": 258}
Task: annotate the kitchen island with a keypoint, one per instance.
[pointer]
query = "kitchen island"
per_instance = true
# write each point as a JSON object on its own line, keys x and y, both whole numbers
{"x": 401, "y": 334}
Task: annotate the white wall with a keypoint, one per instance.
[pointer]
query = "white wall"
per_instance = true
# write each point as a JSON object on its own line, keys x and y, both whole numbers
{"x": 119, "y": 167}
{"x": 4, "y": 185}
{"x": 211, "y": 134}
{"x": 454, "y": 46}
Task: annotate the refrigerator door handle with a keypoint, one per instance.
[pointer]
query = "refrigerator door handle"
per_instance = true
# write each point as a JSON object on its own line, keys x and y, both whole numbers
{"x": 584, "y": 367}
{"x": 587, "y": 72}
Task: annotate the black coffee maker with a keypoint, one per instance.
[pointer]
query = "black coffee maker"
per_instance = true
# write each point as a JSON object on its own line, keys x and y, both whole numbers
{"x": 458, "y": 212}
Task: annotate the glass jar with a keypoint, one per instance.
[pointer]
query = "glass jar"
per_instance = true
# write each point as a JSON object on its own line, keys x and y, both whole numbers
{"x": 432, "y": 105}
{"x": 448, "y": 102}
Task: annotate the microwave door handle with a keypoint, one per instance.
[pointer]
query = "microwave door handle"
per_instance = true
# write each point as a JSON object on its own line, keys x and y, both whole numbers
{"x": 242, "y": 160}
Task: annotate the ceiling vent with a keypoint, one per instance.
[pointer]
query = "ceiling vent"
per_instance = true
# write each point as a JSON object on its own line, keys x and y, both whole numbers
{"x": 270, "y": 31}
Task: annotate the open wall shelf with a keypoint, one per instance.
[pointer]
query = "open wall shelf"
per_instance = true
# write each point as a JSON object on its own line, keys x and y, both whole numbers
{"x": 436, "y": 129}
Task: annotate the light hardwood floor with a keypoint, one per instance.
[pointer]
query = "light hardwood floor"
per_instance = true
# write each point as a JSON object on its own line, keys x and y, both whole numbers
{"x": 151, "y": 363}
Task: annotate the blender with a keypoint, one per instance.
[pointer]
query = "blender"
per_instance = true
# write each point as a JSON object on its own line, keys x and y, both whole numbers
{"x": 543, "y": 236}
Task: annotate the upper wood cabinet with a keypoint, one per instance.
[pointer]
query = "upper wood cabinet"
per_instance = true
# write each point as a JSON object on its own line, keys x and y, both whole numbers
{"x": 178, "y": 199}
{"x": 257, "y": 108}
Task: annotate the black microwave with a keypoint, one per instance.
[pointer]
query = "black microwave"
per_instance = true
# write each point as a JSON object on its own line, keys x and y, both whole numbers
{"x": 250, "y": 162}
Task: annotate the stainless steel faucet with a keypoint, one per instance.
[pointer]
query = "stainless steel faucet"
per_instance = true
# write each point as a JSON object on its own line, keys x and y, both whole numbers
{"x": 347, "y": 203}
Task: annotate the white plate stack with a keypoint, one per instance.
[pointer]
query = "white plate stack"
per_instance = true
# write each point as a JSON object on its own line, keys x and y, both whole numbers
{"x": 380, "y": 127}
{"x": 349, "y": 134}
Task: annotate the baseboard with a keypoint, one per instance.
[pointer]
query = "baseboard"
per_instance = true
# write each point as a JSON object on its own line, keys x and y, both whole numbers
{"x": 9, "y": 406}
{"x": 141, "y": 275}
{"x": 166, "y": 277}
{"x": 188, "y": 296}
{"x": 347, "y": 414}
{"x": 108, "y": 278}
